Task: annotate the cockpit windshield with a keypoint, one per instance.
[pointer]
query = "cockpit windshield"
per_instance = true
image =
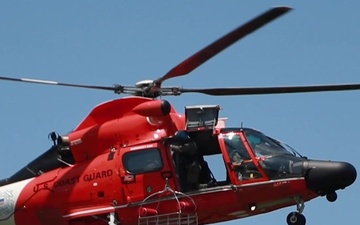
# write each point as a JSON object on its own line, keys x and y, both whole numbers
{"x": 277, "y": 159}
{"x": 266, "y": 146}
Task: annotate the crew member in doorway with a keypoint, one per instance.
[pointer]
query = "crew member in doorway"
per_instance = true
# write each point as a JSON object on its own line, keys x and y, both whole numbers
{"x": 189, "y": 163}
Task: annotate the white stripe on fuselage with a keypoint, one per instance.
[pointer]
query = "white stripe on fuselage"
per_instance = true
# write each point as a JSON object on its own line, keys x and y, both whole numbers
{"x": 9, "y": 195}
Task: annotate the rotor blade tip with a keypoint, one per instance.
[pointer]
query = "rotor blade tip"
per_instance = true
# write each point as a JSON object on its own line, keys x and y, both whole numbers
{"x": 284, "y": 8}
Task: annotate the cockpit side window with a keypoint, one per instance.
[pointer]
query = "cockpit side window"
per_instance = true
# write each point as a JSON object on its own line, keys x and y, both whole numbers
{"x": 235, "y": 147}
{"x": 241, "y": 162}
{"x": 143, "y": 161}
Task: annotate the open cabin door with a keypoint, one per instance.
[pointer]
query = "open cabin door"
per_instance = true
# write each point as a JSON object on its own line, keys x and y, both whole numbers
{"x": 242, "y": 165}
{"x": 144, "y": 171}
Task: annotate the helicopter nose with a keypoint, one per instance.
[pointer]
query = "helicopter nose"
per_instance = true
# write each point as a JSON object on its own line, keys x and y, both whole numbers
{"x": 325, "y": 177}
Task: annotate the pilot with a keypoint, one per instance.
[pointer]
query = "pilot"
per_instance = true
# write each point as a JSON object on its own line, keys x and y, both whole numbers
{"x": 243, "y": 165}
{"x": 236, "y": 159}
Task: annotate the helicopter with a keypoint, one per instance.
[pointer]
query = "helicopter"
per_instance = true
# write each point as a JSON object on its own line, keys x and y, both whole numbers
{"x": 126, "y": 162}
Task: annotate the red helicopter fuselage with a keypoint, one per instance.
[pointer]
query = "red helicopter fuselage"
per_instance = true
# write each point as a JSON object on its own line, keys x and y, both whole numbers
{"x": 118, "y": 166}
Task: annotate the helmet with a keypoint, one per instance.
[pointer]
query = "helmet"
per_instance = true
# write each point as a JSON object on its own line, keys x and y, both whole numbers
{"x": 181, "y": 137}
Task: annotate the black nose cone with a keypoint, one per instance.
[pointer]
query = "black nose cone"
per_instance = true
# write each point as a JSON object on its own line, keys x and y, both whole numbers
{"x": 325, "y": 176}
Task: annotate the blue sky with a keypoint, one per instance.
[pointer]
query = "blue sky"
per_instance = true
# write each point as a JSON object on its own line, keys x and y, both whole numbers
{"x": 125, "y": 42}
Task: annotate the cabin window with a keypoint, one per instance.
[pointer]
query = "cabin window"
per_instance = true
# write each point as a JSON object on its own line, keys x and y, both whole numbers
{"x": 143, "y": 161}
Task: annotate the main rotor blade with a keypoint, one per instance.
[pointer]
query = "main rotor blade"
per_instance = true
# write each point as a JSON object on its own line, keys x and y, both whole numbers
{"x": 216, "y": 47}
{"x": 49, "y": 82}
{"x": 273, "y": 90}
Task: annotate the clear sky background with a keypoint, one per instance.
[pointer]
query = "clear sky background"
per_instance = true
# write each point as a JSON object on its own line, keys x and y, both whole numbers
{"x": 124, "y": 42}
